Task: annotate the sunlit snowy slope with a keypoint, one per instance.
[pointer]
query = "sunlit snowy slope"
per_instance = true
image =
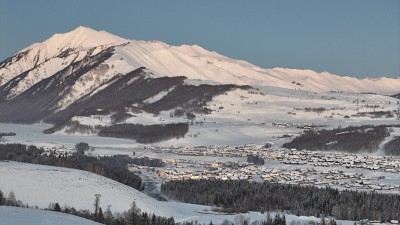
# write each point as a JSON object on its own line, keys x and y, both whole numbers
{"x": 76, "y": 188}
{"x": 42, "y": 60}
{"x": 19, "y": 216}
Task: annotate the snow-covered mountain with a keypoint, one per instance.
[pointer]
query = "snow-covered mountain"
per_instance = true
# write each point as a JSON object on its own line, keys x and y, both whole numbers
{"x": 84, "y": 70}
{"x": 42, "y": 60}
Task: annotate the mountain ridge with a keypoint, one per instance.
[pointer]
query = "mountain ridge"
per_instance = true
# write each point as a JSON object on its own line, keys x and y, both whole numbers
{"x": 85, "y": 72}
{"x": 162, "y": 59}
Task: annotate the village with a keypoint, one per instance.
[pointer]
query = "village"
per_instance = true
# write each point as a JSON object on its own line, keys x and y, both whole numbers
{"x": 280, "y": 165}
{"x": 286, "y": 166}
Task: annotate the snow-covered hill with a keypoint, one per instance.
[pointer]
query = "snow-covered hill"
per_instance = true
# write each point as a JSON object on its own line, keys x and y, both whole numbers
{"x": 19, "y": 216}
{"x": 76, "y": 188}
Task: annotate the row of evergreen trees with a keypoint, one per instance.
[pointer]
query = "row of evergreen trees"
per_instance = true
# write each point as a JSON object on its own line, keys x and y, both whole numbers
{"x": 257, "y": 160}
{"x": 278, "y": 219}
{"x": 366, "y": 138}
{"x": 393, "y": 147}
{"x": 144, "y": 161}
{"x": 146, "y": 133}
{"x": 7, "y": 134}
{"x": 133, "y": 216}
{"x": 301, "y": 200}
{"x": 10, "y": 200}
{"x": 114, "y": 167}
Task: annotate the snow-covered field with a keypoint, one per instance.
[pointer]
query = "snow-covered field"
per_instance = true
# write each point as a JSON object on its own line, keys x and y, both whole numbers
{"x": 238, "y": 117}
{"x": 246, "y": 117}
{"x": 39, "y": 185}
{"x": 74, "y": 188}
{"x": 22, "y": 216}
{"x": 32, "y": 134}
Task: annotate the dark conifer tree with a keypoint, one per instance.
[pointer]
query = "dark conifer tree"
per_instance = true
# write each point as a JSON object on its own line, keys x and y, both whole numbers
{"x": 57, "y": 207}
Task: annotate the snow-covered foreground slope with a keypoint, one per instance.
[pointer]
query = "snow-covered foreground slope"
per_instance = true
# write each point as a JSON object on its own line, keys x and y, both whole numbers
{"x": 22, "y": 216}
{"x": 40, "y": 185}
{"x": 74, "y": 188}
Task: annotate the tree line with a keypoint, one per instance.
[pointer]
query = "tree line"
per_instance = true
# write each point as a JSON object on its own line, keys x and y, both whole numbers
{"x": 243, "y": 196}
{"x": 146, "y": 133}
{"x": 364, "y": 138}
{"x": 7, "y": 134}
{"x": 145, "y": 161}
{"x": 392, "y": 147}
{"x": 113, "y": 167}
{"x": 255, "y": 159}
{"x": 133, "y": 216}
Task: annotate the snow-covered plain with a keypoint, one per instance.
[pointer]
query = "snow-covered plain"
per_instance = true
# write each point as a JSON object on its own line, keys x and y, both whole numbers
{"x": 77, "y": 188}
{"x": 21, "y": 216}
{"x": 237, "y": 117}
{"x": 248, "y": 116}
{"x": 32, "y": 134}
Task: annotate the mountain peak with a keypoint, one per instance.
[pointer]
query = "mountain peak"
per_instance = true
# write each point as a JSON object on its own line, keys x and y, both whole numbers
{"x": 80, "y": 37}
{"x": 83, "y": 29}
{"x": 84, "y": 37}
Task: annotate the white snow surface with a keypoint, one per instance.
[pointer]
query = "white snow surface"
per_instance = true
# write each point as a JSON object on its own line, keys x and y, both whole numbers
{"x": 238, "y": 117}
{"x": 21, "y": 216}
{"x": 162, "y": 59}
{"x": 77, "y": 188}
{"x": 44, "y": 54}
{"x": 198, "y": 63}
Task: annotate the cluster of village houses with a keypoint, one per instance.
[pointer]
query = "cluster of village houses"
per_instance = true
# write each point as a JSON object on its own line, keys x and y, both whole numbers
{"x": 291, "y": 167}
{"x": 296, "y": 167}
{"x": 58, "y": 151}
